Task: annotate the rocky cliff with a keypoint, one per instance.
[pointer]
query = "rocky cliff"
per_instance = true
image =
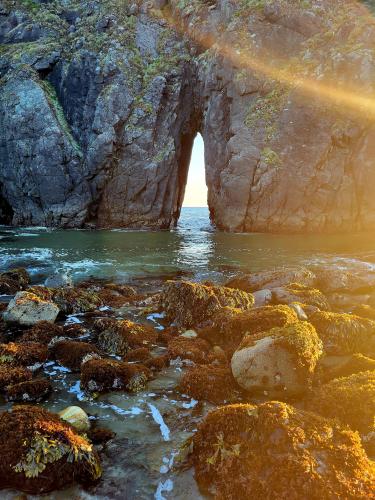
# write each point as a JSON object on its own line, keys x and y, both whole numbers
{"x": 100, "y": 102}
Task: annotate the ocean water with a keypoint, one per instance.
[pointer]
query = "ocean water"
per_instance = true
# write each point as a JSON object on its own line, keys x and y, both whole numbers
{"x": 193, "y": 248}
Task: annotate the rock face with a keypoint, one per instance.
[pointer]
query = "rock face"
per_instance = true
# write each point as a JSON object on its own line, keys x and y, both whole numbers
{"x": 100, "y": 103}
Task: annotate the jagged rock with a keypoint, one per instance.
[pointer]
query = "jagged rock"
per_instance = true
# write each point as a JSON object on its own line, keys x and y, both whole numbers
{"x": 76, "y": 417}
{"x": 276, "y": 451}
{"x": 273, "y": 279}
{"x": 41, "y": 453}
{"x": 189, "y": 304}
{"x": 279, "y": 362}
{"x": 28, "y": 309}
{"x": 345, "y": 333}
{"x": 118, "y": 110}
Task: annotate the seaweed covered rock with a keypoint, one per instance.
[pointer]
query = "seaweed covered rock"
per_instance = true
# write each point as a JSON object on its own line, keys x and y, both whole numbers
{"x": 210, "y": 383}
{"x": 71, "y": 354}
{"x": 276, "y": 451}
{"x": 14, "y": 280}
{"x": 28, "y": 354}
{"x": 42, "y": 332}
{"x": 118, "y": 337}
{"x": 279, "y": 362}
{"x": 101, "y": 375}
{"x": 345, "y": 333}
{"x": 195, "y": 350}
{"x": 273, "y": 279}
{"x": 350, "y": 399}
{"x": 189, "y": 304}
{"x": 29, "y": 391}
{"x": 115, "y": 295}
{"x": 13, "y": 375}
{"x": 295, "y": 292}
{"x": 157, "y": 363}
{"x": 228, "y": 326}
{"x": 76, "y": 300}
{"x": 41, "y": 453}
{"x": 26, "y": 308}
{"x": 140, "y": 354}
{"x": 364, "y": 311}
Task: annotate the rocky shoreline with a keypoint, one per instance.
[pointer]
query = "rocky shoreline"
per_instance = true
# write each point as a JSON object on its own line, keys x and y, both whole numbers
{"x": 279, "y": 367}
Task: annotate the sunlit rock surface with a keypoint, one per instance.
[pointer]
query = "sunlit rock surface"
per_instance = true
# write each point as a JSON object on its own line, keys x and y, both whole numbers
{"x": 101, "y": 101}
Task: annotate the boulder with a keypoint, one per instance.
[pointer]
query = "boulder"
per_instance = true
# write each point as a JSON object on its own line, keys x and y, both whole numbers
{"x": 276, "y": 451}
{"x": 41, "y": 453}
{"x": 76, "y": 417}
{"x": 189, "y": 304}
{"x": 28, "y": 309}
{"x": 279, "y": 362}
{"x": 355, "y": 280}
{"x": 59, "y": 279}
{"x": 273, "y": 279}
{"x": 295, "y": 292}
{"x": 29, "y": 391}
{"x": 345, "y": 333}
{"x": 76, "y": 300}
{"x": 101, "y": 375}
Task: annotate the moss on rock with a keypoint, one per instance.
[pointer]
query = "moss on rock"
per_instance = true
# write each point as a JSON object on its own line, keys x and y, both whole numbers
{"x": 276, "y": 451}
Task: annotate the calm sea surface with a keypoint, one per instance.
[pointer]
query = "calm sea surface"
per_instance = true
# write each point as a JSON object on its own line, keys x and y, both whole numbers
{"x": 193, "y": 247}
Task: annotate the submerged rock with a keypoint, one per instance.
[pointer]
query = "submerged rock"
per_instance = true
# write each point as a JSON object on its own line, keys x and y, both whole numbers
{"x": 101, "y": 375}
{"x": 345, "y": 333}
{"x": 41, "y": 453}
{"x": 279, "y": 362}
{"x": 276, "y": 451}
{"x": 273, "y": 279}
{"x": 189, "y": 304}
{"x": 29, "y": 391}
{"x": 28, "y": 309}
{"x": 76, "y": 417}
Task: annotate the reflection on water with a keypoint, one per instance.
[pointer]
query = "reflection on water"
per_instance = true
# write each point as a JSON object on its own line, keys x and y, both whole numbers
{"x": 193, "y": 247}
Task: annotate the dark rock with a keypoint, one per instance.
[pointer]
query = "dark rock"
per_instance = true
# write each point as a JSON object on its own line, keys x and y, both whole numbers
{"x": 72, "y": 354}
{"x": 30, "y": 391}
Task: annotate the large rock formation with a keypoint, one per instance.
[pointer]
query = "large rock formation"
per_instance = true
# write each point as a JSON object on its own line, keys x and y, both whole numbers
{"x": 100, "y": 102}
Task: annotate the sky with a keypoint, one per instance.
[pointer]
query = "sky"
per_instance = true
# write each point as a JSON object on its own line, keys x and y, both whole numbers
{"x": 196, "y": 189}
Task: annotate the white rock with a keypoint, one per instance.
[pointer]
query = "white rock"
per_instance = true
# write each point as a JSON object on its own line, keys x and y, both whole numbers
{"x": 28, "y": 309}
{"x": 76, "y": 417}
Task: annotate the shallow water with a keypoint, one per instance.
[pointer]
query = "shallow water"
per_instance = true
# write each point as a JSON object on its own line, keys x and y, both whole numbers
{"x": 151, "y": 425}
{"x": 193, "y": 247}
